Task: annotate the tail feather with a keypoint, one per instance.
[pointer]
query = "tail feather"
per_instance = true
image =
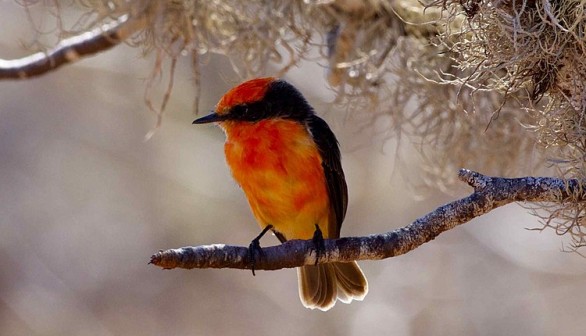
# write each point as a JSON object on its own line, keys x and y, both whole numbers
{"x": 352, "y": 284}
{"x": 321, "y": 285}
{"x": 317, "y": 286}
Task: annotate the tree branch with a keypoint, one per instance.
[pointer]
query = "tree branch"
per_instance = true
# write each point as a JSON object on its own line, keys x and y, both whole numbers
{"x": 489, "y": 193}
{"x": 72, "y": 49}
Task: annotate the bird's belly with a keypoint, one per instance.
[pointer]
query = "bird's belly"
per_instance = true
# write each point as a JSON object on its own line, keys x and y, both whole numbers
{"x": 283, "y": 179}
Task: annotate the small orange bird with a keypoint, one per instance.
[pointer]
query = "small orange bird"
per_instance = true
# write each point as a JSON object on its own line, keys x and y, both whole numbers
{"x": 287, "y": 161}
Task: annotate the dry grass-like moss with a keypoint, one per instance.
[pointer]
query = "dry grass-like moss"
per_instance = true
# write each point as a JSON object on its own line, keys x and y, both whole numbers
{"x": 535, "y": 46}
{"x": 568, "y": 219}
{"x": 520, "y": 44}
{"x": 365, "y": 46}
{"x": 475, "y": 83}
{"x": 453, "y": 126}
{"x": 354, "y": 38}
{"x": 489, "y": 55}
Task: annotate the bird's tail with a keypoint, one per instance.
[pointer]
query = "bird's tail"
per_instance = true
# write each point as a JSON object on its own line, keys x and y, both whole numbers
{"x": 321, "y": 285}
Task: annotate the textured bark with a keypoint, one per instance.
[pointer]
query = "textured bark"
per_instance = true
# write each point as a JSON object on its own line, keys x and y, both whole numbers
{"x": 489, "y": 193}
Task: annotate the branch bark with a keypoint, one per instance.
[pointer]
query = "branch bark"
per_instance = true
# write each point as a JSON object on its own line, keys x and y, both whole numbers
{"x": 489, "y": 193}
{"x": 72, "y": 49}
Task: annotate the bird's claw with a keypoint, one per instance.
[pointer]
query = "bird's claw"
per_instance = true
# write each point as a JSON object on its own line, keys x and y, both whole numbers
{"x": 254, "y": 248}
{"x": 318, "y": 242}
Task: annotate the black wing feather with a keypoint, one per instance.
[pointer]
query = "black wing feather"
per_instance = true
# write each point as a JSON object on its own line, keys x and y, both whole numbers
{"x": 327, "y": 145}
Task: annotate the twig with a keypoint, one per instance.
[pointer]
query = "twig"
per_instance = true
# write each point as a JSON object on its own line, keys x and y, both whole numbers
{"x": 489, "y": 193}
{"x": 72, "y": 49}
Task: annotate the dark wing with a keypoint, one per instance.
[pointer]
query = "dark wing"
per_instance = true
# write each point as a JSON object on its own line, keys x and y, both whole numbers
{"x": 327, "y": 145}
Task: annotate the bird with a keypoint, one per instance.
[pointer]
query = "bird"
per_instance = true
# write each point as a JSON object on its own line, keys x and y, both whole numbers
{"x": 287, "y": 161}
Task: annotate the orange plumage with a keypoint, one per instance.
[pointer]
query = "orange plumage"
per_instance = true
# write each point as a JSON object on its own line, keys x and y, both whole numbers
{"x": 280, "y": 171}
{"x": 287, "y": 161}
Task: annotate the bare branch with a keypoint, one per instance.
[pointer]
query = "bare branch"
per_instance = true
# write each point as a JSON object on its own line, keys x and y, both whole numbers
{"x": 72, "y": 49}
{"x": 489, "y": 193}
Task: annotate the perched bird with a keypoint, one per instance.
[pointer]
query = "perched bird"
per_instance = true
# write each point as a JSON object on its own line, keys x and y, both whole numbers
{"x": 287, "y": 161}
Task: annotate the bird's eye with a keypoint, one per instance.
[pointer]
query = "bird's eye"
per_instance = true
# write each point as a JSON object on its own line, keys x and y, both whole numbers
{"x": 239, "y": 111}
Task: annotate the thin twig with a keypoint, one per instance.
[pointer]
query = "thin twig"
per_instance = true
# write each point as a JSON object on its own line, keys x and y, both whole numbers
{"x": 489, "y": 193}
{"x": 72, "y": 49}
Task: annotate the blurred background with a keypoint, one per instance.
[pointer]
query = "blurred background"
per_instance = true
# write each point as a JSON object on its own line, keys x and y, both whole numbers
{"x": 85, "y": 201}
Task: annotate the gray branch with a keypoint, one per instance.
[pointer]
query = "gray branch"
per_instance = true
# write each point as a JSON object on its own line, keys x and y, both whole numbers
{"x": 71, "y": 49}
{"x": 489, "y": 193}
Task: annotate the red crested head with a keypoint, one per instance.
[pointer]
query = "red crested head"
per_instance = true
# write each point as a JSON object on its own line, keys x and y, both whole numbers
{"x": 258, "y": 99}
{"x": 248, "y": 92}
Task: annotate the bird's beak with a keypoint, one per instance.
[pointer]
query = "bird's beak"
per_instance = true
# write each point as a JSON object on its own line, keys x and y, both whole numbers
{"x": 210, "y": 118}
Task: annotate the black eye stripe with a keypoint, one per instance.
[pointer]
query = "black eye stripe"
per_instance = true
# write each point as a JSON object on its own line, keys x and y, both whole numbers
{"x": 250, "y": 112}
{"x": 281, "y": 100}
{"x": 239, "y": 111}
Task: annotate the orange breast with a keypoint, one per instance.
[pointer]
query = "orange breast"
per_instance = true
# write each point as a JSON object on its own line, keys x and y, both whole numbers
{"x": 278, "y": 166}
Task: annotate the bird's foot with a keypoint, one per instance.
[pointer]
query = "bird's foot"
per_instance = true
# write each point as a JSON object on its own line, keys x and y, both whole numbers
{"x": 318, "y": 242}
{"x": 254, "y": 248}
